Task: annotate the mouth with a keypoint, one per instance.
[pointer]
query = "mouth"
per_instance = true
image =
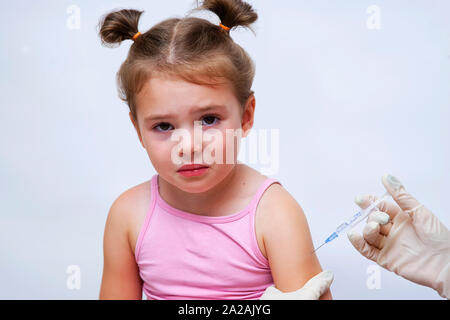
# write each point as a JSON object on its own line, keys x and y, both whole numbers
{"x": 192, "y": 167}
{"x": 191, "y": 170}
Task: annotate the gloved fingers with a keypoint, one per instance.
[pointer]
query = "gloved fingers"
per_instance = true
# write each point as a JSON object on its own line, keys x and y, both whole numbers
{"x": 379, "y": 217}
{"x": 395, "y": 188}
{"x": 388, "y": 207}
{"x": 371, "y": 234}
{"x": 386, "y": 228}
{"x": 362, "y": 246}
{"x": 383, "y": 219}
{"x": 376, "y": 215}
{"x": 319, "y": 284}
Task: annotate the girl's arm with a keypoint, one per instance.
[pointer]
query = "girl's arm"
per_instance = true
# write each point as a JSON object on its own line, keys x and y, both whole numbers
{"x": 120, "y": 279}
{"x": 287, "y": 241}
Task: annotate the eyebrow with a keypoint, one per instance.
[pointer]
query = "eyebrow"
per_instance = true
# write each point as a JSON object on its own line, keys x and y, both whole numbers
{"x": 169, "y": 115}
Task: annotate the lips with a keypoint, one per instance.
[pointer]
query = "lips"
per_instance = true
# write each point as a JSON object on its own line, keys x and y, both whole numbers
{"x": 189, "y": 167}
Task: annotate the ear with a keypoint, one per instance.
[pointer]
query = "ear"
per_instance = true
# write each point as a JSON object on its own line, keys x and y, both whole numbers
{"x": 137, "y": 129}
{"x": 248, "y": 115}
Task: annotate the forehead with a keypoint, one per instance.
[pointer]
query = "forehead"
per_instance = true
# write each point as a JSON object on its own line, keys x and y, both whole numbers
{"x": 164, "y": 95}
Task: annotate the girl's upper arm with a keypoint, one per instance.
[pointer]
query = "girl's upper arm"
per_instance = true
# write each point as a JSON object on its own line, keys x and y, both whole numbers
{"x": 288, "y": 242}
{"x": 120, "y": 278}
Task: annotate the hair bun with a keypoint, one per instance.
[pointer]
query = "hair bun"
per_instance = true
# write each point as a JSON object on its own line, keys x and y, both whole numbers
{"x": 118, "y": 26}
{"x": 232, "y": 13}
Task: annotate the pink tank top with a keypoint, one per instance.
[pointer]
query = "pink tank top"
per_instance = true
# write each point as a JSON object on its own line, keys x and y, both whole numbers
{"x": 184, "y": 256}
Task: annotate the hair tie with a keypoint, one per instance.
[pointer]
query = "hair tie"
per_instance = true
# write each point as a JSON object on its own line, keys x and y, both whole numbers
{"x": 136, "y": 36}
{"x": 224, "y": 27}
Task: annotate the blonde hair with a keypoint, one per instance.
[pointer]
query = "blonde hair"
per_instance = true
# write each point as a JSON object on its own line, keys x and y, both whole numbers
{"x": 190, "y": 48}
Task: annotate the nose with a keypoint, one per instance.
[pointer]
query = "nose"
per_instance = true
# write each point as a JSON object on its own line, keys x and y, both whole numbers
{"x": 194, "y": 143}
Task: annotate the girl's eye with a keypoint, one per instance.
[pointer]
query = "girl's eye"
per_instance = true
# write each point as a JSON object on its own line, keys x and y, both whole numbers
{"x": 163, "y": 127}
{"x": 207, "y": 121}
{"x": 210, "y": 120}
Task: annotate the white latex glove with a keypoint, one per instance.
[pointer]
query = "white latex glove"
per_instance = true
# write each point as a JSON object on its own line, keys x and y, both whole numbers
{"x": 414, "y": 243}
{"x": 312, "y": 290}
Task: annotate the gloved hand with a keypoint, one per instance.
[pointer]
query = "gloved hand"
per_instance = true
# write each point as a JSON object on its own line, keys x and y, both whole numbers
{"x": 414, "y": 243}
{"x": 312, "y": 290}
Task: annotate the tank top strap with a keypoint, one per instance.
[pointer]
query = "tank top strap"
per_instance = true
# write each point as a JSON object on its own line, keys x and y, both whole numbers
{"x": 254, "y": 202}
{"x": 154, "y": 194}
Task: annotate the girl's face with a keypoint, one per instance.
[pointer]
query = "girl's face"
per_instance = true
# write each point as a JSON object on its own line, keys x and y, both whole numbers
{"x": 170, "y": 111}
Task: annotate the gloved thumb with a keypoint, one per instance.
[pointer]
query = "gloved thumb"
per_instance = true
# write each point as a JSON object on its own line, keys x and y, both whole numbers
{"x": 405, "y": 201}
{"x": 319, "y": 284}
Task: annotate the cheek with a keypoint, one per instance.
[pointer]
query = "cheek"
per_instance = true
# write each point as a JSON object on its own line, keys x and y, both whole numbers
{"x": 227, "y": 142}
{"x": 158, "y": 150}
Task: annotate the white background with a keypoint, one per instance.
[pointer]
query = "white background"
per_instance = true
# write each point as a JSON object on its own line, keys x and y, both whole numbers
{"x": 351, "y": 104}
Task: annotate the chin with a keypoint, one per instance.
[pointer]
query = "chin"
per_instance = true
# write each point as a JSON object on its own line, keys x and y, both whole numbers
{"x": 194, "y": 184}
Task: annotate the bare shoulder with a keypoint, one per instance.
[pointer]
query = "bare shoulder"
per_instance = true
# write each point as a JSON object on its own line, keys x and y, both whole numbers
{"x": 277, "y": 204}
{"x": 120, "y": 279}
{"x": 132, "y": 198}
{"x": 129, "y": 210}
{"x": 277, "y": 213}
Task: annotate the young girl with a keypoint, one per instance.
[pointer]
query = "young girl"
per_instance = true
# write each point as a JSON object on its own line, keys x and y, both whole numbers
{"x": 217, "y": 230}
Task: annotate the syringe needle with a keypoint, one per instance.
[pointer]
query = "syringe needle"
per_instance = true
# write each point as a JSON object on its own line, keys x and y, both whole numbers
{"x": 318, "y": 247}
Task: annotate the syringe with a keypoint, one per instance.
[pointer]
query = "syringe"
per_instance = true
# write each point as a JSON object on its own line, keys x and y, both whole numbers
{"x": 353, "y": 221}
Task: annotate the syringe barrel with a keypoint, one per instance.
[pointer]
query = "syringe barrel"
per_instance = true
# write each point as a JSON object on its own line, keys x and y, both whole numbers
{"x": 342, "y": 227}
